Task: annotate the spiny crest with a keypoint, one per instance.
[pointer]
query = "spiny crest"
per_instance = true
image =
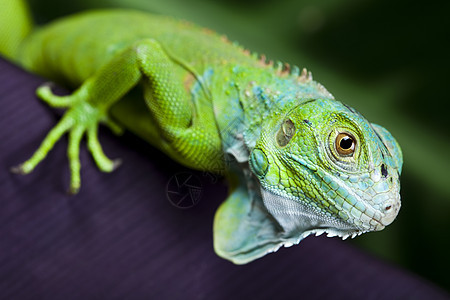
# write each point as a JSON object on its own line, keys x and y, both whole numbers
{"x": 225, "y": 39}
{"x": 281, "y": 69}
{"x": 286, "y": 69}
{"x": 324, "y": 91}
{"x": 305, "y": 76}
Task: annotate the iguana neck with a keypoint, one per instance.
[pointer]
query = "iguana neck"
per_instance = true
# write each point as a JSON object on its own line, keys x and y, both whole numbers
{"x": 246, "y": 96}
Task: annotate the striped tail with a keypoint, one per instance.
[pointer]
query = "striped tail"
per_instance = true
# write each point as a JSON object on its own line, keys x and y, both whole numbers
{"x": 15, "y": 25}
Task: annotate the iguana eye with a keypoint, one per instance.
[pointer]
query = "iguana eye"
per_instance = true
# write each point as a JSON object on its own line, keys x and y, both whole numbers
{"x": 345, "y": 144}
{"x": 285, "y": 133}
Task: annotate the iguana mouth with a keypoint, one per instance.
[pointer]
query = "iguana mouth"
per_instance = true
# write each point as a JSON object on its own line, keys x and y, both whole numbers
{"x": 332, "y": 233}
{"x": 363, "y": 215}
{"x": 298, "y": 218}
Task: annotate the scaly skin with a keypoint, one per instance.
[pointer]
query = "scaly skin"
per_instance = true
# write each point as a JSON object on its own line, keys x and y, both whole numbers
{"x": 298, "y": 161}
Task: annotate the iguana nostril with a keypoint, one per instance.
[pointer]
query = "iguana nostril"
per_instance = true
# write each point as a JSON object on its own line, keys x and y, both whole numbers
{"x": 390, "y": 211}
{"x": 384, "y": 171}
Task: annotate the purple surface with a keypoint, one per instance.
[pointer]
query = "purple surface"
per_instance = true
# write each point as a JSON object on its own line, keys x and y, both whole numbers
{"x": 121, "y": 238}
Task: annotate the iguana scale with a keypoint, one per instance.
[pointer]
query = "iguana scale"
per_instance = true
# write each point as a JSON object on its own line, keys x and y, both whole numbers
{"x": 298, "y": 161}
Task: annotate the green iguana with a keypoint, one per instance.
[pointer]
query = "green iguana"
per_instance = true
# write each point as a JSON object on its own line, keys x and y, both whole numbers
{"x": 298, "y": 161}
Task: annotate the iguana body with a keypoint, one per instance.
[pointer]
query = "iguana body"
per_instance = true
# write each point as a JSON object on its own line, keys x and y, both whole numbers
{"x": 298, "y": 161}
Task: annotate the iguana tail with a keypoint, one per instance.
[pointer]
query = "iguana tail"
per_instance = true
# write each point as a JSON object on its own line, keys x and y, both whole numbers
{"x": 15, "y": 25}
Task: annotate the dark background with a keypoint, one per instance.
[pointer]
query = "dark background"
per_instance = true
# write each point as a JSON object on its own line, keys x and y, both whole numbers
{"x": 386, "y": 58}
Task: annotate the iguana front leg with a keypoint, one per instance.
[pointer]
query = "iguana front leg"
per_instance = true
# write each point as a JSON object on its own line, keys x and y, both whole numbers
{"x": 183, "y": 133}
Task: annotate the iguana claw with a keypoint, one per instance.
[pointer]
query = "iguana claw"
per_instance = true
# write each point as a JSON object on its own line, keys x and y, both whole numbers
{"x": 80, "y": 119}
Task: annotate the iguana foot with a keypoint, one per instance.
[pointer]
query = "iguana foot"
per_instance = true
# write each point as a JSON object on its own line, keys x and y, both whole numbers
{"x": 80, "y": 118}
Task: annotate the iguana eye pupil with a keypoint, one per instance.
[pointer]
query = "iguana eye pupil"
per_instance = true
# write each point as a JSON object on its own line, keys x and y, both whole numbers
{"x": 345, "y": 144}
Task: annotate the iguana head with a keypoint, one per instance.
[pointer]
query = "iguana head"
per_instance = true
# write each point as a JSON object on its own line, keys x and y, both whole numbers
{"x": 324, "y": 168}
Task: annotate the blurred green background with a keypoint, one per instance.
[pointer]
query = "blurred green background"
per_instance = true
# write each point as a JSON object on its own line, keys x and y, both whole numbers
{"x": 388, "y": 59}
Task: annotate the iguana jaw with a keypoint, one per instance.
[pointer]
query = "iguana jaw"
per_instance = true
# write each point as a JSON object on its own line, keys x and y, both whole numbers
{"x": 298, "y": 220}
